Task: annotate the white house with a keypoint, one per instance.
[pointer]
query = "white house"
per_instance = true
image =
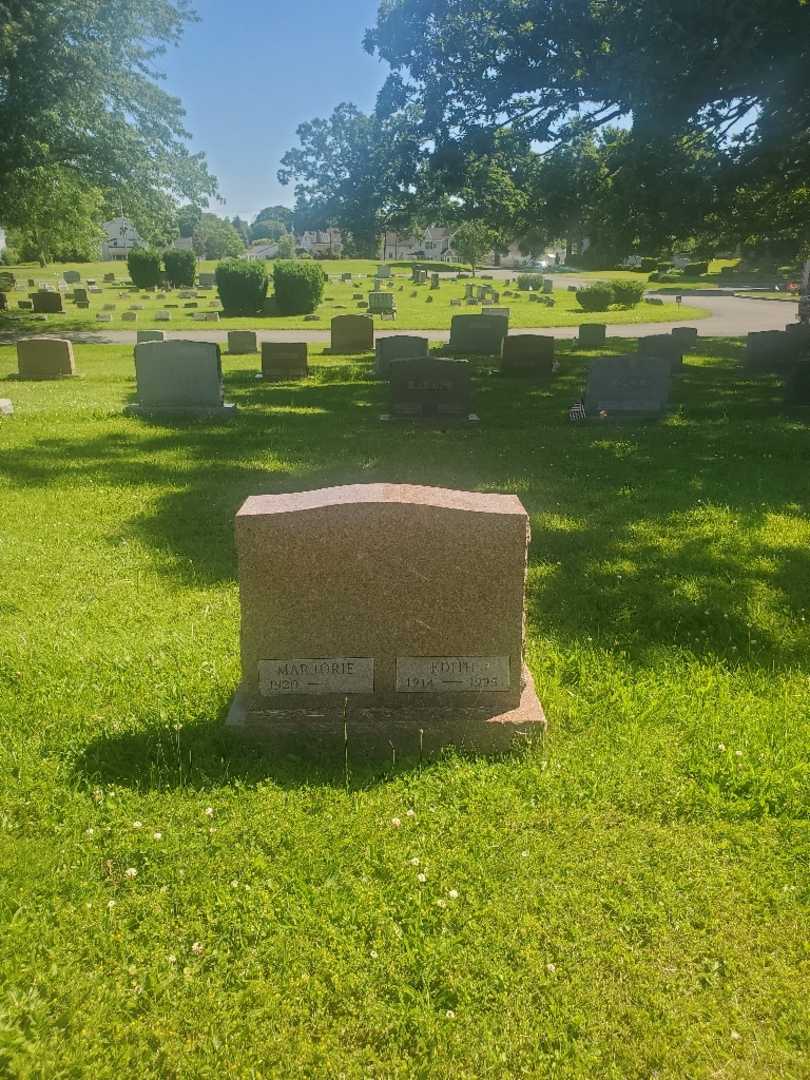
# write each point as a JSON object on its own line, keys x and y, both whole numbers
{"x": 325, "y": 242}
{"x": 120, "y": 237}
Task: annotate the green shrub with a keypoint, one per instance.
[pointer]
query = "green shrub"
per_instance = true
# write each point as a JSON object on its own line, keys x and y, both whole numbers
{"x": 181, "y": 267}
{"x": 144, "y": 268}
{"x": 9, "y": 257}
{"x": 647, "y": 266}
{"x": 627, "y": 294}
{"x": 664, "y": 268}
{"x": 298, "y": 286}
{"x": 242, "y": 286}
{"x": 596, "y": 297}
{"x": 7, "y": 281}
{"x": 530, "y": 281}
{"x": 696, "y": 269}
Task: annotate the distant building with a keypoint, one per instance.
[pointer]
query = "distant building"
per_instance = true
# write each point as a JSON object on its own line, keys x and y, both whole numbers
{"x": 328, "y": 243}
{"x": 263, "y": 249}
{"x": 120, "y": 237}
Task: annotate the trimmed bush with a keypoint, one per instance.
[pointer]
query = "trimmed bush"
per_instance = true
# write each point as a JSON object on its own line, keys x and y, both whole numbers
{"x": 647, "y": 266}
{"x": 242, "y": 286}
{"x": 628, "y": 294}
{"x": 596, "y": 297}
{"x": 530, "y": 281}
{"x": 144, "y": 268}
{"x": 298, "y": 287}
{"x": 696, "y": 269}
{"x": 181, "y": 267}
{"x": 7, "y": 281}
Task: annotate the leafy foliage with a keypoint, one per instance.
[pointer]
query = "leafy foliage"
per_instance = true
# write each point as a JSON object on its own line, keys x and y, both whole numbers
{"x": 242, "y": 286}
{"x": 626, "y": 294}
{"x": 530, "y": 281}
{"x": 298, "y": 286}
{"x": 596, "y": 297}
{"x": 216, "y": 238}
{"x": 474, "y": 239}
{"x": 181, "y": 267}
{"x": 144, "y": 267}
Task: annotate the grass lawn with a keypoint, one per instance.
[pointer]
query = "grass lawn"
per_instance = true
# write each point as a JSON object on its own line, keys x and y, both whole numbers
{"x": 631, "y": 892}
{"x": 419, "y": 307}
{"x": 764, "y": 294}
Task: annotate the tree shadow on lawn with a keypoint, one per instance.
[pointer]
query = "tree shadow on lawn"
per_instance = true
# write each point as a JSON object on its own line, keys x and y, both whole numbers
{"x": 624, "y": 549}
{"x": 206, "y": 755}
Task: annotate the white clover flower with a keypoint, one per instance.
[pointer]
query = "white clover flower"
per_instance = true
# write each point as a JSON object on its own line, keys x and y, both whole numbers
{"x": 197, "y": 948}
{"x": 414, "y": 861}
{"x": 441, "y": 902}
{"x": 396, "y": 822}
{"x": 524, "y": 854}
{"x": 551, "y": 968}
{"x": 450, "y": 1014}
{"x": 137, "y": 824}
{"x": 130, "y": 872}
{"x": 234, "y": 884}
{"x": 422, "y": 878}
{"x": 453, "y": 894}
{"x": 171, "y": 958}
{"x": 110, "y": 905}
{"x": 721, "y": 747}
{"x": 132, "y": 969}
{"x": 209, "y": 811}
{"x": 374, "y": 954}
{"x": 157, "y": 835}
{"x": 410, "y": 812}
{"x": 89, "y": 832}
{"x": 738, "y": 753}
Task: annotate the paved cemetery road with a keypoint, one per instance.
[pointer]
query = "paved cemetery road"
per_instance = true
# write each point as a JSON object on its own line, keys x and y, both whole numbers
{"x": 731, "y": 316}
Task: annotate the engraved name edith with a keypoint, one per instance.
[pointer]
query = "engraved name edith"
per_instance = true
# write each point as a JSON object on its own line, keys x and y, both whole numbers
{"x": 448, "y": 674}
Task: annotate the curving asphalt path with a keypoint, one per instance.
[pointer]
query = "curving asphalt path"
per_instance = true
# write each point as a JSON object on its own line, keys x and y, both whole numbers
{"x": 731, "y": 316}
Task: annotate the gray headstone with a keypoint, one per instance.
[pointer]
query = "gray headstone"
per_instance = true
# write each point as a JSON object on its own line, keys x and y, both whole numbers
{"x": 797, "y": 386}
{"x": 528, "y": 354}
{"x": 352, "y": 333}
{"x": 686, "y": 336}
{"x": 47, "y": 303}
{"x": 242, "y": 341}
{"x": 284, "y": 360}
{"x": 633, "y": 385}
{"x": 592, "y": 335}
{"x": 207, "y": 281}
{"x": 379, "y": 302}
{"x": 663, "y": 345}
{"x": 770, "y": 350}
{"x": 398, "y": 347}
{"x": 430, "y": 387}
{"x": 478, "y": 333}
{"x": 149, "y": 335}
{"x": 72, "y": 276}
{"x": 183, "y": 377}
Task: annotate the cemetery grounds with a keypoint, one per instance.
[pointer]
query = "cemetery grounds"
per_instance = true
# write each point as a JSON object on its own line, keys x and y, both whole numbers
{"x": 625, "y": 898}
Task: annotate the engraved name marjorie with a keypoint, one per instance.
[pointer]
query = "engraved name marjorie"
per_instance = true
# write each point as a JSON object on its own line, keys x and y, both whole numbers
{"x": 315, "y": 667}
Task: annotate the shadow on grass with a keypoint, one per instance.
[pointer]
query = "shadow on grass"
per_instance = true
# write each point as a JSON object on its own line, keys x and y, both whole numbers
{"x": 626, "y": 547}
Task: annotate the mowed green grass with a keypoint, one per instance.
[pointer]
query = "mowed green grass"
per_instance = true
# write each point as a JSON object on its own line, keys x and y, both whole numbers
{"x": 418, "y": 307}
{"x": 627, "y": 898}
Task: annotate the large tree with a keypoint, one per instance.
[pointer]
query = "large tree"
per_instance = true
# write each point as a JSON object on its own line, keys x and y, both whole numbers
{"x": 78, "y": 93}
{"x": 735, "y": 72}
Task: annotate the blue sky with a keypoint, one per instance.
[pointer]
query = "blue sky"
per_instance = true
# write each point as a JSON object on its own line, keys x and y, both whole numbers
{"x": 249, "y": 72}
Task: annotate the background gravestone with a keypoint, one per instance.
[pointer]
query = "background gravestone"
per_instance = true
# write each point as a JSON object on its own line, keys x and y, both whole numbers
{"x": 380, "y": 303}
{"x": 284, "y": 360}
{"x": 797, "y": 386}
{"x": 686, "y": 336}
{"x": 179, "y": 378}
{"x": 430, "y": 388}
{"x": 47, "y": 303}
{"x": 663, "y": 345}
{"x": 149, "y": 335}
{"x": 71, "y": 276}
{"x": 45, "y": 358}
{"x": 528, "y": 354}
{"x": 397, "y": 347}
{"x": 352, "y": 333}
{"x": 242, "y": 341}
{"x": 478, "y": 333}
{"x": 769, "y": 351}
{"x": 592, "y": 335}
{"x": 633, "y": 385}
{"x": 397, "y": 608}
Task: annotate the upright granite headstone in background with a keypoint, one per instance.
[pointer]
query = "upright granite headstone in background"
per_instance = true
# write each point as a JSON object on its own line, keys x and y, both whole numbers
{"x": 663, "y": 345}
{"x": 284, "y": 360}
{"x": 149, "y": 335}
{"x": 179, "y": 378}
{"x": 686, "y": 337}
{"x": 241, "y": 342}
{"x": 769, "y": 351}
{"x": 633, "y": 385}
{"x": 797, "y": 386}
{"x": 45, "y": 358}
{"x": 395, "y": 610}
{"x": 207, "y": 280}
{"x": 47, "y": 303}
{"x": 430, "y": 388}
{"x": 397, "y": 347}
{"x": 592, "y": 335}
{"x": 478, "y": 333}
{"x": 380, "y": 303}
{"x": 528, "y": 354}
{"x": 71, "y": 276}
{"x": 352, "y": 333}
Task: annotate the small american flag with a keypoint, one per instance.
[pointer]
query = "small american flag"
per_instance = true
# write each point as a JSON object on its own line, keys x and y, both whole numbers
{"x": 576, "y": 412}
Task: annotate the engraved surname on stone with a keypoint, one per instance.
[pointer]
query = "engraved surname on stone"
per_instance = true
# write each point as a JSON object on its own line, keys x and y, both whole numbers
{"x": 317, "y": 675}
{"x": 449, "y": 674}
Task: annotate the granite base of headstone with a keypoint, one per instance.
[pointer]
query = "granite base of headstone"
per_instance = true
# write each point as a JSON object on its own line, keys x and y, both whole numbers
{"x": 45, "y": 358}
{"x": 628, "y": 386}
{"x": 528, "y": 354}
{"x": 432, "y": 389}
{"x": 382, "y": 618}
{"x": 179, "y": 378}
{"x": 283, "y": 361}
{"x": 397, "y": 347}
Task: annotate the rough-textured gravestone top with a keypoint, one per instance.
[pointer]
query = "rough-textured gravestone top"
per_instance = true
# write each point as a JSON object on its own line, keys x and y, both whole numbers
{"x": 284, "y": 360}
{"x": 405, "y": 600}
{"x": 663, "y": 345}
{"x": 633, "y": 385}
{"x": 242, "y": 341}
{"x": 478, "y": 333}
{"x": 528, "y": 354}
{"x": 352, "y": 333}
{"x": 592, "y": 335}
{"x": 179, "y": 378}
{"x": 397, "y": 347}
